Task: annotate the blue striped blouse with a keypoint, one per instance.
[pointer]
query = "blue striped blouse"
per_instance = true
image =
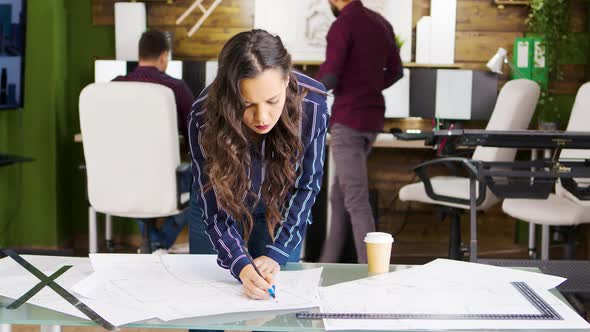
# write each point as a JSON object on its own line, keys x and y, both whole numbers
{"x": 221, "y": 227}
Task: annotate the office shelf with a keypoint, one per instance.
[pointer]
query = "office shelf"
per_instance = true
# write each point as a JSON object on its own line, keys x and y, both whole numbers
{"x": 512, "y": 2}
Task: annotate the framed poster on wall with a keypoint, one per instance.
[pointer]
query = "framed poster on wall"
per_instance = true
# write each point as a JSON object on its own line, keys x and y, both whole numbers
{"x": 303, "y": 24}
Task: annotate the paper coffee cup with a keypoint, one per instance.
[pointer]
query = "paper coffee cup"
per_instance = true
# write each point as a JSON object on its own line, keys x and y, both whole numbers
{"x": 378, "y": 251}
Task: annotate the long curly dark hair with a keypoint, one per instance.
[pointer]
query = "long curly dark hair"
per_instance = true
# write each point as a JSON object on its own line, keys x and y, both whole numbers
{"x": 227, "y": 140}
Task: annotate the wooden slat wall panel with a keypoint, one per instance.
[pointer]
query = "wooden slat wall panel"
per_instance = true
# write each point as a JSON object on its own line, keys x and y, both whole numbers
{"x": 103, "y": 12}
{"x": 229, "y": 18}
{"x": 573, "y": 72}
{"x": 565, "y": 87}
{"x": 578, "y": 15}
{"x": 229, "y": 13}
{"x": 478, "y": 15}
{"x": 205, "y": 44}
{"x": 481, "y": 26}
{"x": 573, "y": 77}
{"x": 476, "y": 46}
{"x": 420, "y": 8}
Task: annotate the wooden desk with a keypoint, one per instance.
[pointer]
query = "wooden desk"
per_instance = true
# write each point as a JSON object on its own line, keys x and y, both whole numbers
{"x": 385, "y": 140}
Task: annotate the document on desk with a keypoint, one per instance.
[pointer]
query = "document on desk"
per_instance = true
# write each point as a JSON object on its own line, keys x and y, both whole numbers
{"x": 16, "y": 281}
{"x": 182, "y": 286}
{"x": 130, "y": 288}
{"x": 446, "y": 287}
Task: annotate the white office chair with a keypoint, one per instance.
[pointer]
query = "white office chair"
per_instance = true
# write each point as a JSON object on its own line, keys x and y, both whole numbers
{"x": 130, "y": 139}
{"x": 513, "y": 111}
{"x": 561, "y": 208}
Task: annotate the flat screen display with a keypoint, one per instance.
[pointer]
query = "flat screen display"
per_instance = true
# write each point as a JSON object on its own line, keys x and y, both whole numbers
{"x": 12, "y": 53}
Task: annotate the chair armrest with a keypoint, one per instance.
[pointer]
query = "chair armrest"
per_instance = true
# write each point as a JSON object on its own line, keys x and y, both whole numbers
{"x": 421, "y": 172}
{"x": 182, "y": 168}
{"x": 582, "y": 193}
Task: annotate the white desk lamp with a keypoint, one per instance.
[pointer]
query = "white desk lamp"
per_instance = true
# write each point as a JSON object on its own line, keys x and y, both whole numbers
{"x": 498, "y": 60}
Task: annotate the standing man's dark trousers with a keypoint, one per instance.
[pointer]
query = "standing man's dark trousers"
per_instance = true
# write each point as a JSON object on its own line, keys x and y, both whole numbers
{"x": 350, "y": 191}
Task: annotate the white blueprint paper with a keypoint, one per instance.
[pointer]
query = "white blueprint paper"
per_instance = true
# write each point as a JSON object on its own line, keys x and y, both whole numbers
{"x": 181, "y": 286}
{"x": 16, "y": 281}
{"x": 445, "y": 287}
{"x": 131, "y": 288}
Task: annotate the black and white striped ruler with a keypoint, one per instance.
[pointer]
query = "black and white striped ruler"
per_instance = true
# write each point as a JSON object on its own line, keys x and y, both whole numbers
{"x": 546, "y": 312}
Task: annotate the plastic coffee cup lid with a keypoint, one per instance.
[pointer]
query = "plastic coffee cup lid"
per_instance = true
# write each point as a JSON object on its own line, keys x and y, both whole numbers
{"x": 378, "y": 237}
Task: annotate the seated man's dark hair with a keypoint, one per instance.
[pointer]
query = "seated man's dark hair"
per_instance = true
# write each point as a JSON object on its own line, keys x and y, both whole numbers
{"x": 152, "y": 44}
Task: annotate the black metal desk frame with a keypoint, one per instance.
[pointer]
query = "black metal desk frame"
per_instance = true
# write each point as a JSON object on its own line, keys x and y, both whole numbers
{"x": 542, "y": 173}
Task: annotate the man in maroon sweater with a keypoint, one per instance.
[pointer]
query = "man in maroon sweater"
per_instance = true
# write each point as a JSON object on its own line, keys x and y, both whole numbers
{"x": 154, "y": 52}
{"x": 362, "y": 60}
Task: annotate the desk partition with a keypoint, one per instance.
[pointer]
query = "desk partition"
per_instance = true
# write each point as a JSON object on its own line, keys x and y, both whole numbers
{"x": 196, "y": 74}
{"x": 452, "y": 94}
{"x": 474, "y": 92}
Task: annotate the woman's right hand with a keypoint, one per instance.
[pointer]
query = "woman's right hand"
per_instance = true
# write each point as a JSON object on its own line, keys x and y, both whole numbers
{"x": 253, "y": 285}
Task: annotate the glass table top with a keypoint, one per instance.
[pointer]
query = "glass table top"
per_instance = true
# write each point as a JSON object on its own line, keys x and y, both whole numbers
{"x": 256, "y": 321}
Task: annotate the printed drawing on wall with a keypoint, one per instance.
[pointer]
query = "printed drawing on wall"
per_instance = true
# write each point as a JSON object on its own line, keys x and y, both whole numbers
{"x": 317, "y": 23}
{"x": 319, "y": 18}
{"x": 376, "y": 5}
{"x": 304, "y": 24}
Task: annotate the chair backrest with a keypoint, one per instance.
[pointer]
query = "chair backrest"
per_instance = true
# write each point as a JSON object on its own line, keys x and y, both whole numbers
{"x": 579, "y": 121}
{"x": 514, "y": 109}
{"x": 130, "y": 139}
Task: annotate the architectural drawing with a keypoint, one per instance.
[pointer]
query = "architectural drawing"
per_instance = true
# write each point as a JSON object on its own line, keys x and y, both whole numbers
{"x": 304, "y": 24}
{"x": 376, "y": 5}
{"x": 113, "y": 286}
{"x": 319, "y": 17}
{"x": 317, "y": 23}
{"x": 440, "y": 288}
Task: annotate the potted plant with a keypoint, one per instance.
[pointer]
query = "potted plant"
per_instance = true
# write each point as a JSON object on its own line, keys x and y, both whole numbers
{"x": 550, "y": 20}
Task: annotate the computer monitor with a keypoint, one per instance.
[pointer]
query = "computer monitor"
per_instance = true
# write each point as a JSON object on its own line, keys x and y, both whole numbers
{"x": 452, "y": 94}
{"x": 12, "y": 53}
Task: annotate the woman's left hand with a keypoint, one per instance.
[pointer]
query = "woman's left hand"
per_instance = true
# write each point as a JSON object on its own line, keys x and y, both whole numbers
{"x": 268, "y": 267}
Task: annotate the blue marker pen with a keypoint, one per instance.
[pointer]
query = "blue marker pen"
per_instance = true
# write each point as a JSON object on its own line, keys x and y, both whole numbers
{"x": 272, "y": 291}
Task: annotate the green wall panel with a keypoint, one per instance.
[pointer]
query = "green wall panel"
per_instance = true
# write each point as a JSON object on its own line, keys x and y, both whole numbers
{"x": 61, "y": 47}
{"x": 85, "y": 43}
{"x": 35, "y": 222}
